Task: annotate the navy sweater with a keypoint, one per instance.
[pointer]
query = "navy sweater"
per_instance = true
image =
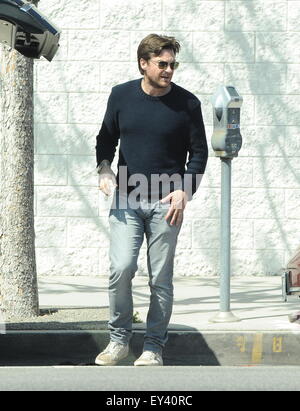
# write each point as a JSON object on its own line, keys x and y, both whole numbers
{"x": 156, "y": 134}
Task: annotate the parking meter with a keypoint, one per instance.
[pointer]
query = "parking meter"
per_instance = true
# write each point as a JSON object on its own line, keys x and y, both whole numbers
{"x": 226, "y": 142}
{"x": 226, "y": 139}
{"x": 29, "y": 31}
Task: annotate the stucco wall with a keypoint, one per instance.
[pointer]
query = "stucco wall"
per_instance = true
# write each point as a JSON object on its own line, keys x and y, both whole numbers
{"x": 251, "y": 44}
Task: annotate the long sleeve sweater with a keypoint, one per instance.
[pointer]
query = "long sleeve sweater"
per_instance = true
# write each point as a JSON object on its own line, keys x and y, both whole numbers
{"x": 157, "y": 135}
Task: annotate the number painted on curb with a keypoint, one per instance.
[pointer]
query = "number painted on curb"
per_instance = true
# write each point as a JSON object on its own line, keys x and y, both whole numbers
{"x": 277, "y": 344}
{"x": 241, "y": 343}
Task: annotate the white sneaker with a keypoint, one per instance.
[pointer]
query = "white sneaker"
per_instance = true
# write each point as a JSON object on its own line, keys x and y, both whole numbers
{"x": 294, "y": 317}
{"x": 149, "y": 358}
{"x": 112, "y": 354}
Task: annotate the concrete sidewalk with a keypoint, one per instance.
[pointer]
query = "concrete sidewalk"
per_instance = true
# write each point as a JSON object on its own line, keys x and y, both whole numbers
{"x": 78, "y": 330}
{"x": 255, "y": 300}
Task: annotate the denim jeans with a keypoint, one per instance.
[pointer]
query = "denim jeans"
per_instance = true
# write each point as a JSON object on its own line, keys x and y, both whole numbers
{"x": 127, "y": 228}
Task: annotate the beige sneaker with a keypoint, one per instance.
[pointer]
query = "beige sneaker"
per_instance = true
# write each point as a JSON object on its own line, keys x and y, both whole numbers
{"x": 294, "y": 317}
{"x": 149, "y": 358}
{"x": 112, "y": 354}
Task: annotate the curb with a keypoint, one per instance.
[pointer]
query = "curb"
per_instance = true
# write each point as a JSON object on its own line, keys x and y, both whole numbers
{"x": 77, "y": 347}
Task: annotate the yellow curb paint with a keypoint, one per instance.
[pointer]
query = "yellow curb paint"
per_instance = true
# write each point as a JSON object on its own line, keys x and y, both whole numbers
{"x": 257, "y": 349}
{"x": 277, "y": 344}
{"x": 241, "y": 343}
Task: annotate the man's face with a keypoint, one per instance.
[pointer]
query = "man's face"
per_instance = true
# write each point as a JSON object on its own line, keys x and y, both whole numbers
{"x": 158, "y": 78}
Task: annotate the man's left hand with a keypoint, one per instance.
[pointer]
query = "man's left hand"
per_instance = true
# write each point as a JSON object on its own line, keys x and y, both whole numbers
{"x": 178, "y": 200}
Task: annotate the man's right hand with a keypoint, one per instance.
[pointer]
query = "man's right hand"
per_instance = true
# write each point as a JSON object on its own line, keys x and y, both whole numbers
{"x": 107, "y": 178}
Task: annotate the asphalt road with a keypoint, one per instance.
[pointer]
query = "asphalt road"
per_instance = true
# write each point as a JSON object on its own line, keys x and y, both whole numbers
{"x": 167, "y": 378}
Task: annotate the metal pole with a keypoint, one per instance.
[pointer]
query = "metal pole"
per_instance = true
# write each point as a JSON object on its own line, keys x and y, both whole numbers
{"x": 225, "y": 234}
{"x": 225, "y": 315}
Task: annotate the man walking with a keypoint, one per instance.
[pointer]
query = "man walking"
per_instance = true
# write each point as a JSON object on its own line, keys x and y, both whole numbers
{"x": 157, "y": 124}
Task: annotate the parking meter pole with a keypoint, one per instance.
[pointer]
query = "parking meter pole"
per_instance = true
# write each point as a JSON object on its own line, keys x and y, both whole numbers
{"x": 225, "y": 315}
{"x": 225, "y": 234}
{"x": 226, "y": 142}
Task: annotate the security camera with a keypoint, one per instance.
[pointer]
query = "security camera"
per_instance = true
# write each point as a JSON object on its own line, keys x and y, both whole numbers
{"x": 25, "y": 28}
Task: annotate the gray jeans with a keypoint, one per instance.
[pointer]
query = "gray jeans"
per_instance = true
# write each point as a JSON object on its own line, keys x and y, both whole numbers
{"x": 127, "y": 228}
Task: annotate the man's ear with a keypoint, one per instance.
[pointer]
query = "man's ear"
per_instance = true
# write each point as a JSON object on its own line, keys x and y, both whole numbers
{"x": 143, "y": 63}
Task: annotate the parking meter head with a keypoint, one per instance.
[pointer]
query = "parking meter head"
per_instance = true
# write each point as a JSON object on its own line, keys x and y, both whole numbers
{"x": 25, "y": 28}
{"x": 226, "y": 139}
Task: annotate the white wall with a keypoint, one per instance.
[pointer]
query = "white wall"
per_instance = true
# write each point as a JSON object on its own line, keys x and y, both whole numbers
{"x": 251, "y": 44}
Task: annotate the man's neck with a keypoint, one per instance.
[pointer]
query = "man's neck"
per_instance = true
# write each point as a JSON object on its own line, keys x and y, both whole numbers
{"x": 150, "y": 89}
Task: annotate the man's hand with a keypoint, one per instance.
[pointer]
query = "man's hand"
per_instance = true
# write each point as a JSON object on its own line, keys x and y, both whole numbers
{"x": 107, "y": 178}
{"x": 178, "y": 200}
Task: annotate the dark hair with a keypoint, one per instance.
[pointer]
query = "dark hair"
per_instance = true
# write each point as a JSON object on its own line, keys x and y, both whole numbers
{"x": 154, "y": 44}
